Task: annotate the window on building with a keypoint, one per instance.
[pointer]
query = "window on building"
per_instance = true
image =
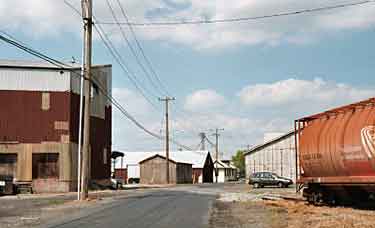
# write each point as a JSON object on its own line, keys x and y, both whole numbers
{"x": 45, "y": 101}
{"x": 45, "y": 165}
{"x": 8, "y": 165}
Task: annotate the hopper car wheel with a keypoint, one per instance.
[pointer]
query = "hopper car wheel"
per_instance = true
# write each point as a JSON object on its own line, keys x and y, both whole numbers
{"x": 317, "y": 198}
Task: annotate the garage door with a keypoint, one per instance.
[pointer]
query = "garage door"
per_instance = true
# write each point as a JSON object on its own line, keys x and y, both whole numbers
{"x": 8, "y": 165}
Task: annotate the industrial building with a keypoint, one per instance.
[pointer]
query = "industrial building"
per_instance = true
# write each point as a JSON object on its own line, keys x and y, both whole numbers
{"x": 153, "y": 171}
{"x": 39, "y": 122}
{"x": 276, "y": 154}
{"x": 202, "y": 164}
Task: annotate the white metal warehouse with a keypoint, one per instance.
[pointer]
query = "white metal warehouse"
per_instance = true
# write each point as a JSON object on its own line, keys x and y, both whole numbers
{"x": 277, "y": 155}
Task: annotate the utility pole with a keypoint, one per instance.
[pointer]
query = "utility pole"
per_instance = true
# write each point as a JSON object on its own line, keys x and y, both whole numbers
{"x": 87, "y": 39}
{"x": 166, "y": 100}
{"x": 203, "y": 140}
{"x": 216, "y": 134}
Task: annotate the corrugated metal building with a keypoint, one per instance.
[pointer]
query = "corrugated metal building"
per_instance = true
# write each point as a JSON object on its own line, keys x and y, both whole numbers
{"x": 201, "y": 161}
{"x": 277, "y": 155}
{"x": 153, "y": 171}
{"x": 39, "y": 119}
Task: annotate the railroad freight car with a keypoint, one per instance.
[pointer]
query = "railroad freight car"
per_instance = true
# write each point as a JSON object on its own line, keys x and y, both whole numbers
{"x": 336, "y": 151}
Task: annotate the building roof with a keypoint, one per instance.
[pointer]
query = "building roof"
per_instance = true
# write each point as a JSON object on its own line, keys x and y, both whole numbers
{"x": 163, "y": 157}
{"x": 352, "y": 106}
{"x": 32, "y": 64}
{"x": 273, "y": 141}
{"x": 196, "y": 158}
{"x": 222, "y": 165}
{"x": 116, "y": 154}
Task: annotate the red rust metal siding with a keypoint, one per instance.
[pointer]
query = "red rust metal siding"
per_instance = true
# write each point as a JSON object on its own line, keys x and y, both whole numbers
{"x": 196, "y": 173}
{"x": 121, "y": 174}
{"x": 338, "y": 146}
{"x": 22, "y": 118}
{"x": 101, "y": 139}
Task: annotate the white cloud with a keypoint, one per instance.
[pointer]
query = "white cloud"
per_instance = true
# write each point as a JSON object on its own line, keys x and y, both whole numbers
{"x": 302, "y": 93}
{"x": 204, "y": 100}
{"x": 46, "y": 17}
{"x": 38, "y": 18}
{"x": 132, "y": 101}
{"x": 257, "y": 109}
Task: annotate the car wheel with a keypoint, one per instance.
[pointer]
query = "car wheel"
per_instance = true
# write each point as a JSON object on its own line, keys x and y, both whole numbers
{"x": 280, "y": 185}
{"x": 256, "y": 185}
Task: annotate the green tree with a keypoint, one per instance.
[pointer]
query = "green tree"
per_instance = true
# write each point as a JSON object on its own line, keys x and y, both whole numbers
{"x": 239, "y": 161}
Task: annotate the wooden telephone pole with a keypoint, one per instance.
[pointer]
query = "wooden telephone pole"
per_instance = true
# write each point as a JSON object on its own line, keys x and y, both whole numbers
{"x": 216, "y": 134}
{"x": 166, "y": 100}
{"x": 87, "y": 39}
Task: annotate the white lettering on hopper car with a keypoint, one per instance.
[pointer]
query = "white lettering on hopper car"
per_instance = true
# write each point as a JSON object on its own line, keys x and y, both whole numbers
{"x": 368, "y": 140}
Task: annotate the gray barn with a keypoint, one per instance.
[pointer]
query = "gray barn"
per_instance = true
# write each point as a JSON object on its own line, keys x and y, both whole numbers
{"x": 153, "y": 171}
{"x": 277, "y": 155}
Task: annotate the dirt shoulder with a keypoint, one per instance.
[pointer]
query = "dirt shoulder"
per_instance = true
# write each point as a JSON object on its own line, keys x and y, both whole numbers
{"x": 247, "y": 214}
{"x": 300, "y": 214}
{"x": 248, "y": 209}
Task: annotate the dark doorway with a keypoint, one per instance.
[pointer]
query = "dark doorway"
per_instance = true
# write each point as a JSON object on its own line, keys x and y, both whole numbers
{"x": 8, "y": 165}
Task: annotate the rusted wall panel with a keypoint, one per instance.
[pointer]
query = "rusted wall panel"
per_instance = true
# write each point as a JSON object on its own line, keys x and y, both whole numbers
{"x": 121, "y": 174}
{"x": 101, "y": 139}
{"x": 22, "y": 118}
{"x": 196, "y": 173}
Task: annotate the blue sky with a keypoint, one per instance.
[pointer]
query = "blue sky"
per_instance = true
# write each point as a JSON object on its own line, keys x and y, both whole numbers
{"x": 249, "y": 78}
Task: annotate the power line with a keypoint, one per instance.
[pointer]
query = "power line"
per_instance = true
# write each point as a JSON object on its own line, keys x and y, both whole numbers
{"x": 113, "y": 52}
{"x": 147, "y": 60}
{"x": 239, "y": 19}
{"x": 152, "y": 83}
{"x": 67, "y": 67}
{"x": 118, "y": 58}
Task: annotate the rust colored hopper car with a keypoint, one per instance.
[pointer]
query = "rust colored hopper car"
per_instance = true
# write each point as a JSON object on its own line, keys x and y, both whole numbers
{"x": 336, "y": 151}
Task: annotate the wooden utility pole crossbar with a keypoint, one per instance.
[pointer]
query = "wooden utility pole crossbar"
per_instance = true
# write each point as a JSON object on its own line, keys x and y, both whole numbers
{"x": 166, "y": 100}
{"x": 87, "y": 39}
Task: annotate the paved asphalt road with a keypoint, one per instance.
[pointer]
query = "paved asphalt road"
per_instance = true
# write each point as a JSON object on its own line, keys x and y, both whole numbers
{"x": 162, "y": 208}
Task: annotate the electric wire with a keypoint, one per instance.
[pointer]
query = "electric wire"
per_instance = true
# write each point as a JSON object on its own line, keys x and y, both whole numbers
{"x": 113, "y": 52}
{"x": 118, "y": 58}
{"x": 147, "y": 60}
{"x": 132, "y": 50}
{"x": 239, "y": 19}
{"x": 67, "y": 67}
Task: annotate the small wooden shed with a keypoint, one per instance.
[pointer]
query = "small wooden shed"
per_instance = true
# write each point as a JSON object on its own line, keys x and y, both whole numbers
{"x": 153, "y": 171}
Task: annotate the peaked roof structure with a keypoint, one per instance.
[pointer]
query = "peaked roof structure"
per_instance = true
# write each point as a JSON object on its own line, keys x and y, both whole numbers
{"x": 196, "y": 158}
{"x": 273, "y": 141}
{"x": 163, "y": 157}
{"x": 222, "y": 165}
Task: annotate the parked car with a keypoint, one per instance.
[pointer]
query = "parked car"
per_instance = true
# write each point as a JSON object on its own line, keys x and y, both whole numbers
{"x": 261, "y": 179}
{"x": 116, "y": 183}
